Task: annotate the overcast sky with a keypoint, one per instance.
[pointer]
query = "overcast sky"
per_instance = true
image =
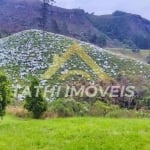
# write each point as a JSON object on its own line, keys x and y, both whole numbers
{"x": 99, "y": 7}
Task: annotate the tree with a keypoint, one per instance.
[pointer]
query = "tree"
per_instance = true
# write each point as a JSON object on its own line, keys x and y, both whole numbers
{"x": 93, "y": 38}
{"x": 101, "y": 40}
{"x": 4, "y": 94}
{"x": 148, "y": 59}
{"x": 129, "y": 44}
{"x": 54, "y": 26}
{"x": 135, "y": 50}
{"x": 4, "y": 33}
{"x": 142, "y": 42}
{"x": 64, "y": 28}
{"x": 44, "y": 13}
{"x": 35, "y": 103}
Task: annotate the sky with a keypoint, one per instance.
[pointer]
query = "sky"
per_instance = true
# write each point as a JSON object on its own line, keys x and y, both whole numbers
{"x": 100, "y": 7}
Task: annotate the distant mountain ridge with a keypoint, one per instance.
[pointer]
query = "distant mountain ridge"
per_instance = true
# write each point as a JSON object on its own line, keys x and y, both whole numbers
{"x": 116, "y": 30}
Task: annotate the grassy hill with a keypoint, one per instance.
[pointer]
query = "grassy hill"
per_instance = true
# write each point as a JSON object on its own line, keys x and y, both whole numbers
{"x": 74, "y": 134}
{"x": 25, "y": 53}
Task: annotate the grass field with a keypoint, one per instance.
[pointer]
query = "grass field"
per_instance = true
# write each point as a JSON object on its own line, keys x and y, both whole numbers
{"x": 74, "y": 134}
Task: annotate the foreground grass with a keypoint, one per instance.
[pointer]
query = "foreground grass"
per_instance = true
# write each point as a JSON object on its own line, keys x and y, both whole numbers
{"x": 74, "y": 134}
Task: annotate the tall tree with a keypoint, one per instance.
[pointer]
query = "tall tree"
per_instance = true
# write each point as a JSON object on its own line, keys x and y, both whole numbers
{"x": 4, "y": 94}
{"x": 35, "y": 102}
{"x": 45, "y": 5}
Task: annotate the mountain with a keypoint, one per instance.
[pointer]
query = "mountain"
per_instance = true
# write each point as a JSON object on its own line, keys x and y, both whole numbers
{"x": 125, "y": 27}
{"x": 119, "y": 29}
{"x": 20, "y": 15}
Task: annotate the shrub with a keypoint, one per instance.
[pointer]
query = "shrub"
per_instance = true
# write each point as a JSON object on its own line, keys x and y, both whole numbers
{"x": 18, "y": 111}
{"x": 101, "y": 109}
{"x": 120, "y": 113}
{"x": 60, "y": 107}
{"x": 146, "y": 102}
{"x": 69, "y": 107}
{"x": 49, "y": 114}
{"x": 124, "y": 113}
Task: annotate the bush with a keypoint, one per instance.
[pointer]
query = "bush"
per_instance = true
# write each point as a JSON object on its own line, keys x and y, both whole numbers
{"x": 69, "y": 107}
{"x": 124, "y": 113}
{"x": 101, "y": 109}
{"x": 121, "y": 113}
{"x": 146, "y": 102}
{"x": 18, "y": 111}
{"x": 49, "y": 114}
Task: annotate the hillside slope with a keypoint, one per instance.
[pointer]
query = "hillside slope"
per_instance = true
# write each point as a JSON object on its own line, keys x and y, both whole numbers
{"x": 127, "y": 53}
{"x": 25, "y": 53}
{"x": 21, "y": 15}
